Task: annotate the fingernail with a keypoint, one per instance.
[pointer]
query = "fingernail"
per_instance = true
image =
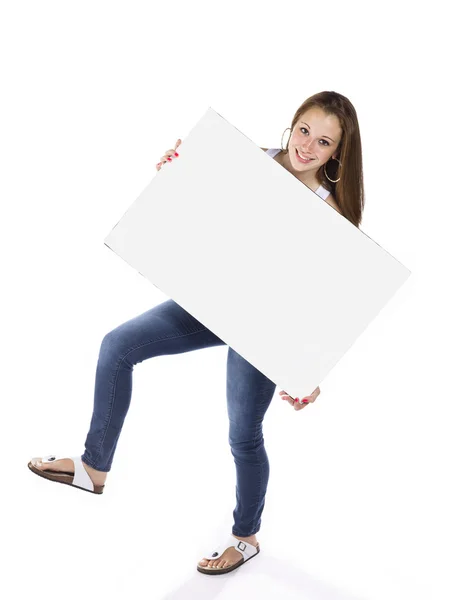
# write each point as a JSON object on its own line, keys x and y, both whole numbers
{"x": 168, "y": 158}
{"x": 304, "y": 401}
{"x": 296, "y": 399}
{"x": 176, "y": 154}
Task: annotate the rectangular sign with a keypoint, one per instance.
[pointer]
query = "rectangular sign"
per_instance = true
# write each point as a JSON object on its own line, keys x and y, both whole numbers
{"x": 256, "y": 256}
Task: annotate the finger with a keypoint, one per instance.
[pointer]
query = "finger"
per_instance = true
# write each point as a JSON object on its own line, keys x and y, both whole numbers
{"x": 295, "y": 402}
{"x": 288, "y": 398}
{"x": 172, "y": 151}
{"x": 314, "y": 395}
{"x": 299, "y": 406}
{"x": 301, "y": 403}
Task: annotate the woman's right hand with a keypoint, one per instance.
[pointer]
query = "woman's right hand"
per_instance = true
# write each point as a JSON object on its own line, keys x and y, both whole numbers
{"x": 168, "y": 154}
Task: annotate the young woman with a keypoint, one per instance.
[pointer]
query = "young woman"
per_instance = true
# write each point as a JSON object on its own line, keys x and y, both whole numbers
{"x": 324, "y": 152}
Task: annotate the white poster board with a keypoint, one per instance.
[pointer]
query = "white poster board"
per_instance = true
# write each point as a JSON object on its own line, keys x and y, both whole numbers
{"x": 256, "y": 256}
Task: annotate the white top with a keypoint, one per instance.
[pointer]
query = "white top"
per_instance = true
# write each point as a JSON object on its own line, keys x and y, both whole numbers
{"x": 321, "y": 191}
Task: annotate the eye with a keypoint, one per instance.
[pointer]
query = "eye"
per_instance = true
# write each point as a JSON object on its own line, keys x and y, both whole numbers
{"x": 307, "y": 131}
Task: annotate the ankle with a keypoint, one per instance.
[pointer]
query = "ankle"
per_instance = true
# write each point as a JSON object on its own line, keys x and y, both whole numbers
{"x": 92, "y": 469}
{"x": 99, "y": 476}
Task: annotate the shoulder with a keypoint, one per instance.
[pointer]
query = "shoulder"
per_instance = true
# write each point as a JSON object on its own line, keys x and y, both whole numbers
{"x": 331, "y": 200}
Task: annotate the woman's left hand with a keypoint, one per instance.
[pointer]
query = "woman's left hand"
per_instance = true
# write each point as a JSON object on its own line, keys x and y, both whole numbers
{"x": 296, "y": 403}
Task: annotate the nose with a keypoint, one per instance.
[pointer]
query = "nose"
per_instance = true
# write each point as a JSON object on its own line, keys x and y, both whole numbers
{"x": 307, "y": 146}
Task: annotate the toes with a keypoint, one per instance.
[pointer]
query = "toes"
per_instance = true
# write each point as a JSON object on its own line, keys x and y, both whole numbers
{"x": 58, "y": 465}
{"x": 219, "y": 563}
{"x": 36, "y": 462}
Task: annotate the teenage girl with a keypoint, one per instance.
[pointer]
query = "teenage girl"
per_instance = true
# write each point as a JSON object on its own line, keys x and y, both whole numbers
{"x": 324, "y": 152}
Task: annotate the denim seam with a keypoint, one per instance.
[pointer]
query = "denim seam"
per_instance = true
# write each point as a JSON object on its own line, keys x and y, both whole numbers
{"x": 260, "y": 483}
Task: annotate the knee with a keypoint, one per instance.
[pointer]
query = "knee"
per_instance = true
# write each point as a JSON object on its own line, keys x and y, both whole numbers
{"x": 112, "y": 346}
{"x": 245, "y": 439}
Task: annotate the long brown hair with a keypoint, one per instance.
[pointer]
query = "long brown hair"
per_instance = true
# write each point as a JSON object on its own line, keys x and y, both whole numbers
{"x": 349, "y": 192}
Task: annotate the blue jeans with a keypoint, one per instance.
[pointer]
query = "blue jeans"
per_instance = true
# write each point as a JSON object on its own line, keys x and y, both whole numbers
{"x": 168, "y": 329}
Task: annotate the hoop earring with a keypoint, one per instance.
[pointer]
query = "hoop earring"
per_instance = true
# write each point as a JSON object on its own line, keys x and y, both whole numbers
{"x": 282, "y": 138}
{"x": 333, "y": 181}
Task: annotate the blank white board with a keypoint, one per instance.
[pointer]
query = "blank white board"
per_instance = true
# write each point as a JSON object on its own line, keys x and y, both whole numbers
{"x": 256, "y": 256}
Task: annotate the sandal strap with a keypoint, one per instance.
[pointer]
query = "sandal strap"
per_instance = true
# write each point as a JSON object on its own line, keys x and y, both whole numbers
{"x": 246, "y": 550}
{"x": 52, "y": 457}
{"x": 81, "y": 477}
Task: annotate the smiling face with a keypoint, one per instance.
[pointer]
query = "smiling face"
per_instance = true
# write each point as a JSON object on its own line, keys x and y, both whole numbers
{"x": 315, "y": 136}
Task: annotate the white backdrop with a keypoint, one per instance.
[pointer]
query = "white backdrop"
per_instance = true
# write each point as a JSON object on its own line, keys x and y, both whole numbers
{"x": 93, "y": 94}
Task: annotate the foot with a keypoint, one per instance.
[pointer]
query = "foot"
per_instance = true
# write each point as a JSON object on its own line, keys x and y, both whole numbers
{"x": 66, "y": 465}
{"x": 229, "y": 556}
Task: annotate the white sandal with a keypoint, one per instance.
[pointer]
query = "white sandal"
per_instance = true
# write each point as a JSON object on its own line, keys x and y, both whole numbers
{"x": 247, "y": 551}
{"x": 79, "y": 479}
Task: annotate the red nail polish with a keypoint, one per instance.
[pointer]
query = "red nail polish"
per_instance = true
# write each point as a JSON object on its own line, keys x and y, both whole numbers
{"x": 168, "y": 158}
{"x": 176, "y": 154}
{"x": 304, "y": 401}
{"x": 296, "y": 399}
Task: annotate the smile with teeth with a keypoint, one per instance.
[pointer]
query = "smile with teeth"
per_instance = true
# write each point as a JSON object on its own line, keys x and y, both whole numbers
{"x": 303, "y": 157}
